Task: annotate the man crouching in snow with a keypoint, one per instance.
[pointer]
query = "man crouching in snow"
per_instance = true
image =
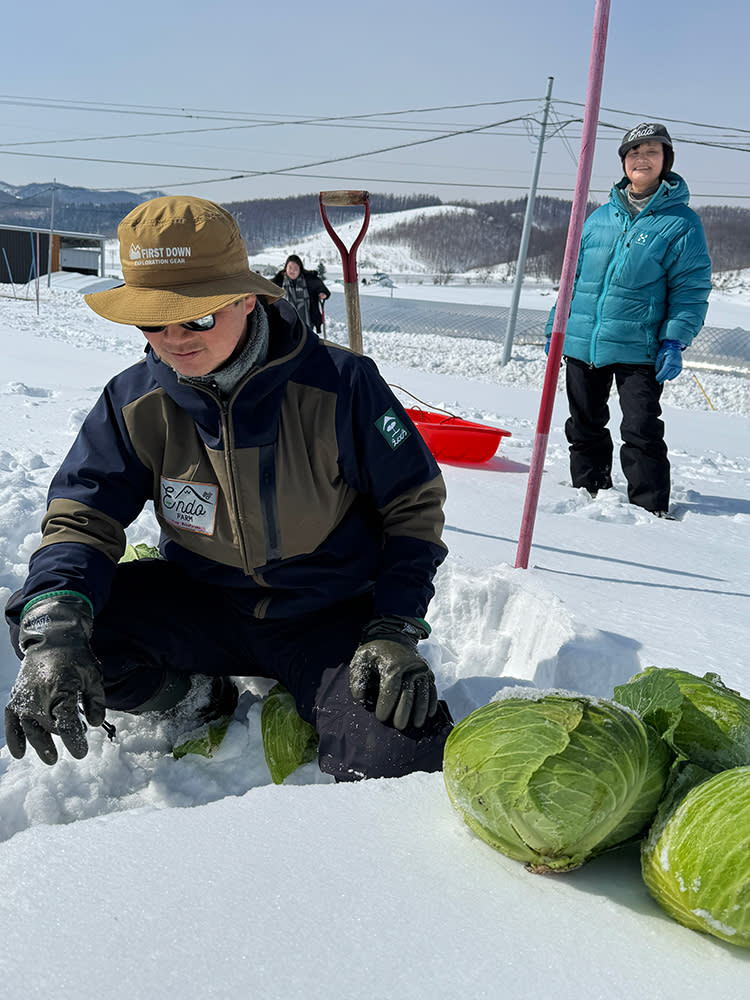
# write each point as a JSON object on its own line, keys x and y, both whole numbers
{"x": 300, "y": 515}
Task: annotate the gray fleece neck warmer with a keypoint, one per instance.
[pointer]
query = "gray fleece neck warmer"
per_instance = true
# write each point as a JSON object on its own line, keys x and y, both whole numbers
{"x": 252, "y": 355}
{"x": 636, "y": 202}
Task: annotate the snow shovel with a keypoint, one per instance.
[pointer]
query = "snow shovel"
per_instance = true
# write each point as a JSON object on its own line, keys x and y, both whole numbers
{"x": 348, "y": 258}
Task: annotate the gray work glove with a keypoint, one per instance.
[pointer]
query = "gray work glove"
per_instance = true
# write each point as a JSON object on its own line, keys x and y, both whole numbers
{"x": 387, "y": 669}
{"x": 58, "y": 671}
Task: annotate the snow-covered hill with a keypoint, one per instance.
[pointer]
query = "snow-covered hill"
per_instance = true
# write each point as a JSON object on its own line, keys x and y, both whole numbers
{"x": 372, "y": 254}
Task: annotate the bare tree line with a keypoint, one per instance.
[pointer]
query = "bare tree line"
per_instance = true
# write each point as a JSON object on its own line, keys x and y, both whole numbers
{"x": 490, "y": 234}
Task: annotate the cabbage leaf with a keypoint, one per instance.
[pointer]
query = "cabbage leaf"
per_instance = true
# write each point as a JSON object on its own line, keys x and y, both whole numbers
{"x": 288, "y": 741}
{"x": 702, "y": 719}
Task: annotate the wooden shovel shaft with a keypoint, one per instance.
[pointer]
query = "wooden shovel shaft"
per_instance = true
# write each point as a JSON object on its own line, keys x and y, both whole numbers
{"x": 353, "y": 316}
{"x": 344, "y": 197}
{"x": 348, "y": 257}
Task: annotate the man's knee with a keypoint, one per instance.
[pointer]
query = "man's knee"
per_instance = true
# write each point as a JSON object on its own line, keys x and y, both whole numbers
{"x": 354, "y": 745}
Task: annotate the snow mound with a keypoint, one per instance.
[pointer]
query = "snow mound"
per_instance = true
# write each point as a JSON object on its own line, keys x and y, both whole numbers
{"x": 502, "y": 627}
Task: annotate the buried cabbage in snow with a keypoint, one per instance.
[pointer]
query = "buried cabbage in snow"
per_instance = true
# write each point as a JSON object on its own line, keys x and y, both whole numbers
{"x": 696, "y": 858}
{"x": 699, "y": 717}
{"x": 288, "y": 741}
{"x": 141, "y": 550}
{"x": 555, "y": 778}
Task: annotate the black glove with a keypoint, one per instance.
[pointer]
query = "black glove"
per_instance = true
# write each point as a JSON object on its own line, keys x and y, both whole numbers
{"x": 387, "y": 669}
{"x": 57, "y": 672}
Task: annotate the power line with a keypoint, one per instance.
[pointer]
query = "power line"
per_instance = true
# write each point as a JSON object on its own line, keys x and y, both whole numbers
{"x": 244, "y": 172}
{"x": 522, "y": 188}
{"x": 663, "y": 118}
{"x": 362, "y": 121}
{"x": 258, "y": 118}
{"x": 436, "y": 127}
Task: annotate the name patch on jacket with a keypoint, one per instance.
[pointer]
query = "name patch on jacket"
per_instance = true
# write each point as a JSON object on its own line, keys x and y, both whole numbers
{"x": 392, "y": 429}
{"x": 189, "y": 506}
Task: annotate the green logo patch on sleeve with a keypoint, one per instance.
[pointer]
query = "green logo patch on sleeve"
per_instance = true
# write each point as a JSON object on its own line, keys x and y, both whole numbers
{"x": 392, "y": 429}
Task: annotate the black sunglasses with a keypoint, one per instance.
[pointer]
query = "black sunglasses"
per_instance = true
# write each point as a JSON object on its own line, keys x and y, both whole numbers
{"x": 198, "y": 325}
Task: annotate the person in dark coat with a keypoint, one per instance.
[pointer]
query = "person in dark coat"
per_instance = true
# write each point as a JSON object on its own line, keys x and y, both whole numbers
{"x": 300, "y": 514}
{"x": 640, "y": 297}
{"x": 304, "y": 290}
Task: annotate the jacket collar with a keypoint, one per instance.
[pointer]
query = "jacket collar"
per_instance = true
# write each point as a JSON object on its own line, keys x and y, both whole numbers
{"x": 672, "y": 191}
{"x": 290, "y": 342}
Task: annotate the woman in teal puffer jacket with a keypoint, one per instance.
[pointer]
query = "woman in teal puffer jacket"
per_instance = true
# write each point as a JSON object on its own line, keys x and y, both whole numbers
{"x": 640, "y": 297}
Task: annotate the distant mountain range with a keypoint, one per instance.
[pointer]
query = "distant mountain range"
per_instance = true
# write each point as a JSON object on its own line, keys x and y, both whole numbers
{"x": 39, "y": 196}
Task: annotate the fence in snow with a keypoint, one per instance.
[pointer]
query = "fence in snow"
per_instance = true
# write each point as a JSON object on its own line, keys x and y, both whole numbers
{"x": 715, "y": 347}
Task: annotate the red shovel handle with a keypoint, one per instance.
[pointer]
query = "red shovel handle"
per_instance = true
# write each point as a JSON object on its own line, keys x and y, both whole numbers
{"x": 344, "y": 198}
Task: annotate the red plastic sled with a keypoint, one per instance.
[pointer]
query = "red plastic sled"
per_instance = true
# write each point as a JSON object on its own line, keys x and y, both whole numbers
{"x": 454, "y": 440}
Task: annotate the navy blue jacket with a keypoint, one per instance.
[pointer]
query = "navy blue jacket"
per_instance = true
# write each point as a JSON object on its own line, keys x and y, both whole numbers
{"x": 310, "y": 485}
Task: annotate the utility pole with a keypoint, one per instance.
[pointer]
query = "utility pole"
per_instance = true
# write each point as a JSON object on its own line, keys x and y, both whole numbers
{"x": 526, "y": 232}
{"x": 51, "y": 234}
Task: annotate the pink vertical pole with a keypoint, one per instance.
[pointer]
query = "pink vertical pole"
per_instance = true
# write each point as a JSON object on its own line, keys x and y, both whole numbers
{"x": 36, "y": 267}
{"x": 570, "y": 260}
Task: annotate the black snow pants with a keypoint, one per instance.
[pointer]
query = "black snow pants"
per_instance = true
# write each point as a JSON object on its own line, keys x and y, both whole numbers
{"x": 643, "y": 454}
{"x": 159, "y": 620}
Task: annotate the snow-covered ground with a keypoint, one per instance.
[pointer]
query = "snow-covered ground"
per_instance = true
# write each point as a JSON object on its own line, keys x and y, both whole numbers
{"x": 135, "y": 875}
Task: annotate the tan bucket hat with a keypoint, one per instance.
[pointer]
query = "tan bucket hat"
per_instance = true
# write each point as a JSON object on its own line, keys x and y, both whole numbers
{"x": 182, "y": 258}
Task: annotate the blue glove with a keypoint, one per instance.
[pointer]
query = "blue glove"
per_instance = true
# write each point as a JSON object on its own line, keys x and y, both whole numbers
{"x": 669, "y": 360}
{"x": 547, "y": 342}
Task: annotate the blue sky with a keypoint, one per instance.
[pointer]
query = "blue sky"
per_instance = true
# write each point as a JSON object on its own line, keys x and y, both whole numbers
{"x": 243, "y": 74}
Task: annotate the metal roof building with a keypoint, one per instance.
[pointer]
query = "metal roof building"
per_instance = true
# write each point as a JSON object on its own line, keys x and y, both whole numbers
{"x": 25, "y": 253}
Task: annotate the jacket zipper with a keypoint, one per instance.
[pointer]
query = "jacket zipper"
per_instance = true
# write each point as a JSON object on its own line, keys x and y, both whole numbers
{"x": 267, "y": 475}
{"x": 266, "y": 486}
{"x": 266, "y": 489}
{"x": 232, "y": 481}
{"x": 605, "y": 289}
{"x": 617, "y": 262}
{"x": 234, "y": 507}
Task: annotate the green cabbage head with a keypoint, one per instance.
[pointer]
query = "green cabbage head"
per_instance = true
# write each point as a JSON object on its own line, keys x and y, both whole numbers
{"x": 699, "y": 717}
{"x": 555, "y": 778}
{"x": 696, "y": 858}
